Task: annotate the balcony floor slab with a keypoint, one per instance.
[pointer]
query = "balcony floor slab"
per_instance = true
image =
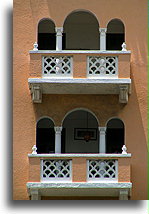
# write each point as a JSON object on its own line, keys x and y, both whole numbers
{"x": 79, "y": 188}
{"x": 79, "y": 86}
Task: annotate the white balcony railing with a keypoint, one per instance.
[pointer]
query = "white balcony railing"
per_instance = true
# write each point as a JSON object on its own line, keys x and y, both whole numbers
{"x": 100, "y": 170}
{"x": 98, "y": 67}
{"x": 56, "y": 66}
{"x": 102, "y": 67}
{"x": 103, "y": 170}
{"x": 55, "y": 170}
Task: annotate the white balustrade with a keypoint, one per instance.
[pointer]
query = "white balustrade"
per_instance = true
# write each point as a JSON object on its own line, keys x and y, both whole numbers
{"x": 56, "y": 170}
{"x": 102, "y": 67}
{"x": 103, "y": 170}
{"x": 56, "y": 66}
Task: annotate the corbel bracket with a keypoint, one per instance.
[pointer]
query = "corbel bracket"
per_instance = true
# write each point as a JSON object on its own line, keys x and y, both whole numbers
{"x": 123, "y": 93}
{"x": 123, "y": 194}
{"x": 36, "y": 92}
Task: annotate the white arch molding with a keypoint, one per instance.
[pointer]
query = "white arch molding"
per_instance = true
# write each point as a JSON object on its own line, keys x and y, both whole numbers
{"x": 45, "y": 136}
{"x": 115, "y": 34}
{"x": 119, "y": 133}
{"x": 80, "y": 10}
{"x": 82, "y": 30}
{"x": 49, "y": 29}
{"x": 75, "y": 121}
{"x": 80, "y": 109}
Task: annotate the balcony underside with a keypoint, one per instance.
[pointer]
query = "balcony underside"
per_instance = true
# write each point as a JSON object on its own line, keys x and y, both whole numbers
{"x": 79, "y": 188}
{"x": 41, "y": 86}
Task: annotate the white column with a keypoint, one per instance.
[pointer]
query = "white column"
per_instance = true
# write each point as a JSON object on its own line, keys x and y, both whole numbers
{"x": 58, "y": 131}
{"x": 102, "y": 139}
{"x": 59, "y": 31}
{"x": 103, "y": 38}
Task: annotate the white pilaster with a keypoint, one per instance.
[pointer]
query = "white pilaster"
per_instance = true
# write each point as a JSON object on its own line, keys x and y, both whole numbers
{"x": 102, "y": 139}
{"x": 35, "y": 194}
{"x": 103, "y": 38}
{"x": 59, "y": 31}
{"x": 58, "y": 131}
{"x": 123, "y": 194}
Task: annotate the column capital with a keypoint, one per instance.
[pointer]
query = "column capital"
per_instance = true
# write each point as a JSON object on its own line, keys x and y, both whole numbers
{"x": 59, "y": 31}
{"x": 58, "y": 129}
{"x": 103, "y": 30}
{"x": 102, "y": 129}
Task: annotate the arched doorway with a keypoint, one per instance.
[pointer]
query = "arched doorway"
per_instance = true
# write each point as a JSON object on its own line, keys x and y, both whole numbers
{"x": 115, "y": 136}
{"x": 81, "y": 133}
{"x": 115, "y": 35}
{"x": 45, "y": 136}
{"x": 46, "y": 35}
{"x": 81, "y": 30}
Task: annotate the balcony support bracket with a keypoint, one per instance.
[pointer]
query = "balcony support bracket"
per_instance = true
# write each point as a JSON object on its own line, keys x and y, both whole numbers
{"x": 36, "y": 92}
{"x": 35, "y": 194}
{"x": 123, "y": 194}
{"x": 123, "y": 93}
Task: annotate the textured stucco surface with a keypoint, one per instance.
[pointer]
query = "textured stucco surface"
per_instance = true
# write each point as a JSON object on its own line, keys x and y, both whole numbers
{"x": 25, "y": 114}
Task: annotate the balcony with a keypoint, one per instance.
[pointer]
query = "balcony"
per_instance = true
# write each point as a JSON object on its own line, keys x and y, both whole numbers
{"x": 105, "y": 175}
{"x": 80, "y": 72}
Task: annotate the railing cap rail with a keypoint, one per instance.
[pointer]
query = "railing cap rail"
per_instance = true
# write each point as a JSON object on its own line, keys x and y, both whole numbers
{"x": 78, "y": 52}
{"x": 80, "y": 155}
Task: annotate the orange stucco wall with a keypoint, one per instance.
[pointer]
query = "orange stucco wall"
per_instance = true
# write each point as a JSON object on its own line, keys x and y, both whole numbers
{"x": 25, "y": 114}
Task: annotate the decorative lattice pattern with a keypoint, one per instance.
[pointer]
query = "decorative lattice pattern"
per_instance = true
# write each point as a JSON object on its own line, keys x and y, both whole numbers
{"x": 57, "y": 66}
{"x": 56, "y": 169}
{"x": 102, "y": 169}
{"x": 102, "y": 66}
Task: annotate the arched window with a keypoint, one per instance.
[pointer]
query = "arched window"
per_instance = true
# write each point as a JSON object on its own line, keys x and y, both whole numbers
{"x": 81, "y": 30}
{"x": 115, "y": 35}
{"x": 46, "y": 35}
{"x": 114, "y": 136}
{"x": 80, "y": 133}
{"x": 45, "y": 136}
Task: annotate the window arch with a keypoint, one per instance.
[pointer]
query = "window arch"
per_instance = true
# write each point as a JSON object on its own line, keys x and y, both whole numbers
{"x": 115, "y": 35}
{"x": 81, "y": 29}
{"x": 45, "y": 136}
{"x": 46, "y": 35}
{"x": 80, "y": 132}
{"x": 115, "y": 136}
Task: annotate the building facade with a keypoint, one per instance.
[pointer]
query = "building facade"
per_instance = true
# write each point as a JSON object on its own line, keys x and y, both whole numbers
{"x": 80, "y": 100}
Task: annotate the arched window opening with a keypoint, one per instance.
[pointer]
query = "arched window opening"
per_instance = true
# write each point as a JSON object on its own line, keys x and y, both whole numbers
{"x": 114, "y": 136}
{"x": 115, "y": 35}
{"x": 45, "y": 136}
{"x": 81, "y": 30}
{"x": 46, "y": 35}
{"x": 80, "y": 133}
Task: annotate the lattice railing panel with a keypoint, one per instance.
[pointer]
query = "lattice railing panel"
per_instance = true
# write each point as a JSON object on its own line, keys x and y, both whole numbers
{"x": 57, "y": 66}
{"x": 102, "y": 66}
{"x": 56, "y": 170}
{"x": 102, "y": 170}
